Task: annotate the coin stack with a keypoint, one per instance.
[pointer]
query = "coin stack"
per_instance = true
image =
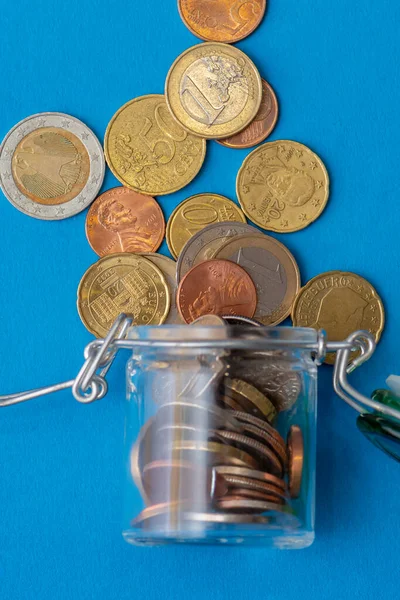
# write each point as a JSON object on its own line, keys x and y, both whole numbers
{"x": 212, "y": 452}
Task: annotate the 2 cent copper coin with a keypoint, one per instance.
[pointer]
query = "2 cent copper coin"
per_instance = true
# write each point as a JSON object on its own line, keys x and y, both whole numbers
{"x": 262, "y": 126}
{"x": 121, "y": 220}
{"x": 222, "y": 20}
{"x": 218, "y": 287}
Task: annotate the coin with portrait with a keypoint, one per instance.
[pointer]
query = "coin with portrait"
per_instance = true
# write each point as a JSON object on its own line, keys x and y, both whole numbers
{"x": 213, "y": 90}
{"x": 282, "y": 186}
{"x": 122, "y": 220}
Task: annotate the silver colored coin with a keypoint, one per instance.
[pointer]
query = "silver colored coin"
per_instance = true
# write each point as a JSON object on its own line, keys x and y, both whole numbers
{"x": 168, "y": 268}
{"x": 224, "y": 518}
{"x": 51, "y": 179}
{"x": 194, "y": 250}
{"x": 237, "y": 320}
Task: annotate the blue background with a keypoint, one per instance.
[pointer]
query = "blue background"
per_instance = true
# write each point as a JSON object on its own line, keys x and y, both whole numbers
{"x": 334, "y": 66}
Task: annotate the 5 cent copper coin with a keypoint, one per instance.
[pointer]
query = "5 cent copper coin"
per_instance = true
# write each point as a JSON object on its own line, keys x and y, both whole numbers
{"x": 222, "y": 20}
{"x": 263, "y": 124}
{"x": 216, "y": 287}
{"x": 121, "y": 220}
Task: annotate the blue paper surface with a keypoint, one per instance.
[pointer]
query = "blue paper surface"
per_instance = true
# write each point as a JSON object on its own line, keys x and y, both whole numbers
{"x": 334, "y": 66}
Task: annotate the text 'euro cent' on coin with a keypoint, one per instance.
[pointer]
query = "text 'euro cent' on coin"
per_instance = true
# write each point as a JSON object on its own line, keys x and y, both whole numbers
{"x": 282, "y": 186}
{"x": 148, "y": 151}
{"x": 213, "y": 90}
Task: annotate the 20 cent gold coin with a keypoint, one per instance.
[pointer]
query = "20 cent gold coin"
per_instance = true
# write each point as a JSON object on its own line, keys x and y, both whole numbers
{"x": 282, "y": 186}
{"x": 340, "y": 303}
{"x": 122, "y": 283}
{"x": 213, "y": 90}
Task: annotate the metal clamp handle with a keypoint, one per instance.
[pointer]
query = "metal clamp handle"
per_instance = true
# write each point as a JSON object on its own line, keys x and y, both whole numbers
{"x": 90, "y": 385}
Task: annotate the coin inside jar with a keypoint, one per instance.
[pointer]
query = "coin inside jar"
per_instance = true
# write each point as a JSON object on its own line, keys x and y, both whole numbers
{"x": 296, "y": 458}
{"x": 249, "y": 398}
{"x": 254, "y": 474}
{"x": 216, "y": 287}
{"x": 210, "y": 453}
{"x": 262, "y": 454}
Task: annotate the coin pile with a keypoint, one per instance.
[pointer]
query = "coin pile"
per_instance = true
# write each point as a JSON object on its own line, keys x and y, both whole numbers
{"x": 212, "y": 453}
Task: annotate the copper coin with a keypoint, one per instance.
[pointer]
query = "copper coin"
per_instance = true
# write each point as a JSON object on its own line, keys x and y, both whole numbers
{"x": 121, "y": 220}
{"x": 266, "y": 438}
{"x": 295, "y": 446}
{"x": 240, "y": 504}
{"x": 231, "y": 471}
{"x": 263, "y": 455}
{"x": 256, "y": 495}
{"x": 164, "y": 513}
{"x": 222, "y": 20}
{"x": 263, "y": 124}
{"x": 210, "y": 453}
{"x": 218, "y": 287}
{"x": 171, "y": 480}
{"x": 251, "y": 485}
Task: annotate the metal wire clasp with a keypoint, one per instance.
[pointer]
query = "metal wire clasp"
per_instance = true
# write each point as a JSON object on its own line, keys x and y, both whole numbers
{"x": 88, "y": 385}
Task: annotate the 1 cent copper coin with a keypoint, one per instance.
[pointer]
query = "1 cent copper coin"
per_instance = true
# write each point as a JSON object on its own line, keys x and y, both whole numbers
{"x": 222, "y": 20}
{"x": 263, "y": 124}
{"x": 296, "y": 458}
{"x": 218, "y": 287}
{"x": 121, "y": 220}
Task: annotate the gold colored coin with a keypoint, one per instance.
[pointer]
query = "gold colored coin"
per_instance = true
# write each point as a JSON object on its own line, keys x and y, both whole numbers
{"x": 213, "y": 90}
{"x": 148, "y": 151}
{"x": 195, "y": 213}
{"x": 50, "y": 166}
{"x": 282, "y": 186}
{"x": 340, "y": 303}
{"x": 122, "y": 283}
{"x": 249, "y": 397}
{"x": 167, "y": 267}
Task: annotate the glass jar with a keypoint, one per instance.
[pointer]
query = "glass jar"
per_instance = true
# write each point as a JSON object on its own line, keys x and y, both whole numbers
{"x": 220, "y": 436}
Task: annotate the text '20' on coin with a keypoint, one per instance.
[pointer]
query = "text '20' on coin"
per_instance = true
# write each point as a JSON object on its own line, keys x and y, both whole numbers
{"x": 148, "y": 151}
{"x": 122, "y": 283}
{"x": 216, "y": 287}
{"x": 51, "y": 166}
{"x": 213, "y": 90}
{"x": 195, "y": 213}
{"x": 204, "y": 244}
{"x": 272, "y": 268}
{"x": 261, "y": 126}
{"x": 340, "y": 303}
{"x": 222, "y": 20}
{"x": 282, "y": 186}
{"x": 122, "y": 220}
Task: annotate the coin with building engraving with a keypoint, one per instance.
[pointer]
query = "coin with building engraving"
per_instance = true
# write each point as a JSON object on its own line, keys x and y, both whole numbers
{"x": 197, "y": 212}
{"x": 263, "y": 124}
{"x": 122, "y": 283}
{"x": 51, "y": 166}
{"x": 213, "y": 90}
{"x": 148, "y": 151}
{"x": 340, "y": 303}
{"x": 222, "y": 20}
{"x": 167, "y": 267}
{"x": 122, "y": 220}
{"x": 283, "y": 186}
{"x": 204, "y": 244}
{"x": 216, "y": 287}
{"x": 273, "y": 269}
